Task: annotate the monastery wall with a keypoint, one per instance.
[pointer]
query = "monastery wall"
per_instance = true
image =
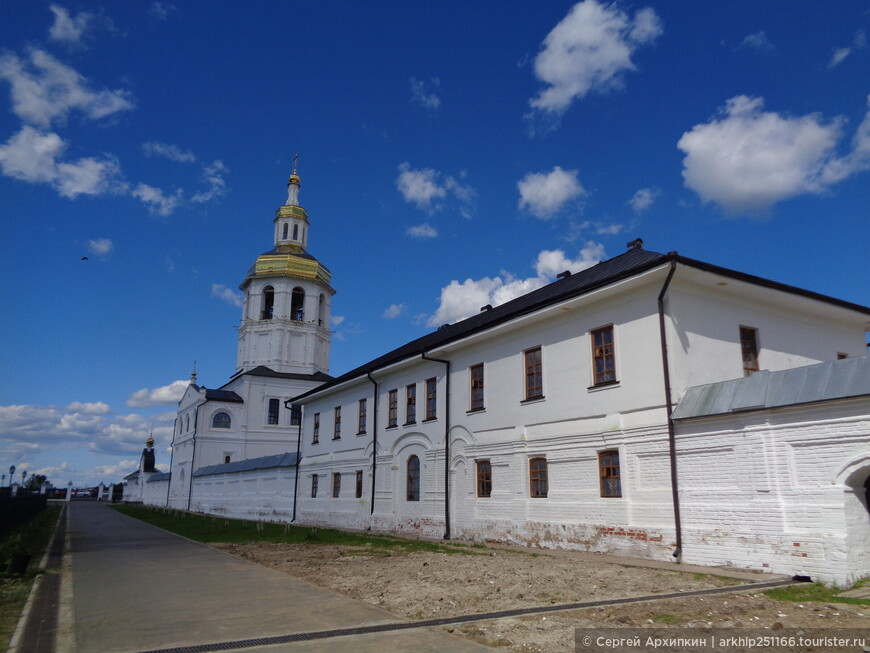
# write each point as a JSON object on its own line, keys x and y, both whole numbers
{"x": 263, "y": 494}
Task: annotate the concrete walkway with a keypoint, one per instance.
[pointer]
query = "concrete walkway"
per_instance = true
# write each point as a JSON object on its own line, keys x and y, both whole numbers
{"x": 138, "y": 588}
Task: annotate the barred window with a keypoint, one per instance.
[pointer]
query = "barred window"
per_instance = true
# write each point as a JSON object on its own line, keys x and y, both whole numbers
{"x": 413, "y": 480}
{"x": 359, "y": 484}
{"x": 608, "y": 470}
{"x": 314, "y": 486}
{"x": 538, "y": 478}
{"x": 484, "y": 478}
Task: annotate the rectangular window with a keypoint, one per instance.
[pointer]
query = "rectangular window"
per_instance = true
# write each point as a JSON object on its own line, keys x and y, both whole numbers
{"x": 431, "y": 399}
{"x": 361, "y": 428}
{"x": 295, "y": 414}
{"x": 336, "y": 485}
{"x": 272, "y": 416}
{"x": 538, "y": 486}
{"x": 411, "y": 404}
{"x": 476, "y": 372}
{"x": 603, "y": 356}
{"x": 336, "y": 434}
{"x": 484, "y": 478}
{"x": 314, "y": 486}
{"x": 359, "y": 482}
{"x": 534, "y": 373}
{"x": 608, "y": 470}
{"x": 749, "y": 348}
{"x": 315, "y": 436}
{"x": 393, "y": 409}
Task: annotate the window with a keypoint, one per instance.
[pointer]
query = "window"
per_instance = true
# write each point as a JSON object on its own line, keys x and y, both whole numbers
{"x": 361, "y": 428}
{"x": 284, "y": 236}
{"x": 315, "y": 436}
{"x": 393, "y": 409}
{"x": 484, "y": 478}
{"x": 411, "y": 404}
{"x": 413, "y": 493}
{"x": 336, "y": 485}
{"x": 749, "y": 347}
{"x": 220, "y": 421}
{"x": 187, "y": 422}
{"x": 538, "y": 478}
{"x": 359, "y": 482}
{"x": 476, "y": 372}
{"x": 336, "y": 433}
{"x": 841, "y": 355}
{"x": 226, "y": 459}
{"x": 268, "y": 303}
{"x": 314, "y": 486}
{"x": 272, "y": 415}
{"x": 295, "y": 232}
{"x": 534, "y": 374}
{"x": 295, "y": 414}
{"x": 431, "y": 398}
{"x": 603, "y": 356}
{"x": 608, "y": 470}
{"x": 297, "y": 304}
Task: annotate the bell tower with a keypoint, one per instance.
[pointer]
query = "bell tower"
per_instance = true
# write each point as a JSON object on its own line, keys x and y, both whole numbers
{"x": 285, "y": 313}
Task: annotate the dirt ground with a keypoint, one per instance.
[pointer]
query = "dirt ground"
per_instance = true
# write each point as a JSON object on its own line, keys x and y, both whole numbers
{"x": 435, "y": 585}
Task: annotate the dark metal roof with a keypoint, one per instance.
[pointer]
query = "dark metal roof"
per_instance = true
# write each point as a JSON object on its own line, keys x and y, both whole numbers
{"x": 262, "y": 370}
{"x": 631, "y": 263}
{"x": 223, "y": 395}
{"x": 840, "y": 379}
{"x": 160, "y": 476}
{"x": 266, "y": 462}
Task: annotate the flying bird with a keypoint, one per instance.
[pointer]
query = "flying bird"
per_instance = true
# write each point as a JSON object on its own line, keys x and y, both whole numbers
{"x": 84, "y": 258}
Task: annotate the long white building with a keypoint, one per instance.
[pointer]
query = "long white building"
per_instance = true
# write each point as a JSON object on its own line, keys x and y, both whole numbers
{"x": 652, "y": 405}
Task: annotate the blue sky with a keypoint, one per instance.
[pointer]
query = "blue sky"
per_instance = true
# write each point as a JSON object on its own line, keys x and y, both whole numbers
{"x": 452, "y": 154}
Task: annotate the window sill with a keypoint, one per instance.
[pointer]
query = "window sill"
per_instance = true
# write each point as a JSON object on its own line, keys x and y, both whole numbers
{"x": 532, "y": 400}
{"x": 390, "y": 428}
{"x": 603, "y": 386}
{"x": 337, "y": 438}
{"x": 430, "y": 419}
{"x": 410, "y": 423}
{"x": 472, "y": 411}
{"x": 362, "y": 433}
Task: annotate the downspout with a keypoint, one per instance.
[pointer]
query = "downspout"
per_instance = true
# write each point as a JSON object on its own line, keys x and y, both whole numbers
{"x": 446, "y": 446}
{"x": 374, "y": 443}
{"x": 171, "y": 458}
{"x": 296, "y": 408}
{"x": 672, "y": 441}
{"x": 192, "y": 456}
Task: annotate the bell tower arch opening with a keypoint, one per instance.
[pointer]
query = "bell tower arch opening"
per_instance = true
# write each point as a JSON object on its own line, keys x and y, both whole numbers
{"x": 268, "y": 303}
{"x": 297, "y": 304}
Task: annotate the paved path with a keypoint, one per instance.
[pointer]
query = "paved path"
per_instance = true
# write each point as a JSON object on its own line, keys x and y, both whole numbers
{"x": 138, "y": 588}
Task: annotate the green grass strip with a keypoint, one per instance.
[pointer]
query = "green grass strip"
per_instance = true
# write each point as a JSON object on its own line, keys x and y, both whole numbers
{"x": 806, "y": 592}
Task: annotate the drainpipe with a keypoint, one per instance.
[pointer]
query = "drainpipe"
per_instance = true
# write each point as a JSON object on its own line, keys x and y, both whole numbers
{"x": 374, "y": 443}
{"x": 192, "y": 457}
{"x": 171, "y": 458}
{"x": 672, "y": 441}
{"x": 446, "y": 445}
{"x": 296, "y": 408}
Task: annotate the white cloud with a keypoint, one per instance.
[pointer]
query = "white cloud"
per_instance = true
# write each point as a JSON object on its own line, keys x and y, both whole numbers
{"x": 461, "y": 300}
{"x": 45, "y": 91}
{"x": 643, "y": 199}
{"x": 89, "y": 408}
{"x": 588, "y": 52}
{"x": 394, "y": 311}
{"x": 226, "y": 294}
{"x": 168, "y": 151}
{"x": 424, "y": 187}
{"x": 858, "y": 42}
{"x": 424, "y": 230}
{"x": 213, "y": 175}
{"x": 166, "y": 395}
{"x": 757, "y": 41}
{"x": 100, "y": 246}
{"x": 161, "y": 10}
{"x": 69, "y": 29}
{"x": 156, "y": 200}
{"x": 608, "y": 229}
{"x": 544, "y": 195}
{"x": 746, "y": 159}
{"x": 31, "y": 155}
{"x": 337, "y": 320}
{"x": 421, "y": 95}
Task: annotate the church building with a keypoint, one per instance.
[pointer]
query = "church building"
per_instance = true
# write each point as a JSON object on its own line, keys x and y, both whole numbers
{"x": 653, "y": 405}
{"x": 283, "y": 351}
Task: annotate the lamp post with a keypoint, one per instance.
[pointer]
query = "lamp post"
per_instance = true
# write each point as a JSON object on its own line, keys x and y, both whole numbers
{"x": 11, "y": 474}
{"x": 23, "y": 476}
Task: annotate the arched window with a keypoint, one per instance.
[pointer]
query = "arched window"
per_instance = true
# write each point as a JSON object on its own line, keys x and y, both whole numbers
{"x": 268, "y": 303}
{"x": 297, "y": 304}
{"x": 226, "y": 459}
{"x": 413, "y": 479}
{"x": 295, "y": 232}
{"x": 220, "y": 421}
{"x": 284, "y": 236}
{"x": 187, "y": 422}
{"x": 321, "y": 310}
